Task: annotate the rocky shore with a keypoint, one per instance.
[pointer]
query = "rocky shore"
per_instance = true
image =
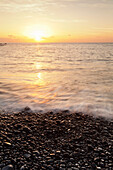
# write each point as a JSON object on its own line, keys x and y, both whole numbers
{"x": 55, "y": 141}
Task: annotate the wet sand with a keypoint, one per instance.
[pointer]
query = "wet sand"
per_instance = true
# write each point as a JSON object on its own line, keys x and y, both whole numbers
{"x": 55, "y": 141}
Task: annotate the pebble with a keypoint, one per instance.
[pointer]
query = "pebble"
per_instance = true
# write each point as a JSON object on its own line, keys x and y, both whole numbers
{"x": 27, "y": 155}
{"x": 7, "y": 144}
{"x": 62, "y": 165}
{"x": 98, "y": 167}
{"x": 8, "y": 167}
{"x": 2, "y": 165}
{"x": 72, "y": 159}
{"x": 52, "y": 154}
{"x": 37, "y": 153}
{"x": 23, "y": 167}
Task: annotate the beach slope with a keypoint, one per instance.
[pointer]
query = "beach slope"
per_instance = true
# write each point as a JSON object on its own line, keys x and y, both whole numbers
{"x": 60, "y": 140}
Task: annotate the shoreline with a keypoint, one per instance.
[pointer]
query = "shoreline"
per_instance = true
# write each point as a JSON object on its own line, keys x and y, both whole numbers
{"x": 63, "y": 140}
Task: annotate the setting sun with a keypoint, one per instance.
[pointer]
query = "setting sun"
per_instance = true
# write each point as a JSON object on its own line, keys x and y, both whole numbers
{"x": 38, "y": 33}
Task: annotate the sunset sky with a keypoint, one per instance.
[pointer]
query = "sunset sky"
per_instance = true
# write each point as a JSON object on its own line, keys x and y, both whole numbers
{"x": 56, "y": 20}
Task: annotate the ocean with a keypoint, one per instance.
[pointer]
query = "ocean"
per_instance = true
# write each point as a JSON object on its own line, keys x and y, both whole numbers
{"x": 50, "y": 77}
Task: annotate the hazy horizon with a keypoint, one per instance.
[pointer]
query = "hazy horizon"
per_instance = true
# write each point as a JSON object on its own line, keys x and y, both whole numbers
{"x": 36, "y": 42}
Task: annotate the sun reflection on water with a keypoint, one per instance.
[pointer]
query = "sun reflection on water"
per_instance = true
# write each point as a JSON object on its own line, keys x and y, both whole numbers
{"x": 39, "y": 88}
{"x": 39, "y": 75}
{"x": 38, "y": 65}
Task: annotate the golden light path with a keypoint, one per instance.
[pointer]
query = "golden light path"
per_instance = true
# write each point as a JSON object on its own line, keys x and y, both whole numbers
{"x": 40, "y": 86}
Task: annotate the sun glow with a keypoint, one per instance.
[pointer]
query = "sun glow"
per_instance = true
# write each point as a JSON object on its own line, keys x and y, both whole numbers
{"x": 38, "y": 33}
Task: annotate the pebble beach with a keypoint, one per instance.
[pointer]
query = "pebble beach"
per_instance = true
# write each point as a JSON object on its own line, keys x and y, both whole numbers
{"x": 55, "y": 141}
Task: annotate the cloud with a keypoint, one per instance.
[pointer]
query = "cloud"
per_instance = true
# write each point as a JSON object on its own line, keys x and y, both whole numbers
{"x": 46, "y": 38}
{"x": 42, "y": 7}
{"x": 87, "y": 3}
{"x": 67, "y": 21}
{"x": 15, "y": 38}
{"x": 107, "y": 29}
{"x": 50, "y": 7}
{"x": 38, "y": 4}
{"x": 25, "y": 2}
{"x": 12, "y": 36}
{"x": 22, "y": 5}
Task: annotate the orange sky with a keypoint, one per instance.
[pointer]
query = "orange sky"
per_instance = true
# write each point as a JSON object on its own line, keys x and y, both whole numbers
{"x": 56, "y": 21}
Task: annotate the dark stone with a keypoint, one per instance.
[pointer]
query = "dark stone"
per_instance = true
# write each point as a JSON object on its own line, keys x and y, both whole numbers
{"x": 90, "y": 148}
{"x": 27, "y": 109}
{"x": 37, "y": 153}
{"x": 8, "y": 167}
{"x": 49, "y": 167}
{"x": 27, "y": 155}
{"x": 50, "y": 161}
{"x": 66, "y": 155}
{"x": 2, "y": 165}
{"x": 18, "y": 126}
{"x": 62, "y": 165}
{"x": 9, "y": 135}
{"x": 93, "y": 165}
{"x": 26, "y": 129}
{"x": 71, "y": 159}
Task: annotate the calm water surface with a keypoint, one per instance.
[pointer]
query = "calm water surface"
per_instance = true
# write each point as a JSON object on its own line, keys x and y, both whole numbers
{"x": 78, "y": 77}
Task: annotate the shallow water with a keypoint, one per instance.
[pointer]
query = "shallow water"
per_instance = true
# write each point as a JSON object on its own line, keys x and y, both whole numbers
{"x": 77, "y": 77}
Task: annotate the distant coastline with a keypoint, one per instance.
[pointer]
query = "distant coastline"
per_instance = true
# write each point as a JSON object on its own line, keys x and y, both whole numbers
{"x": 2, "y": 44}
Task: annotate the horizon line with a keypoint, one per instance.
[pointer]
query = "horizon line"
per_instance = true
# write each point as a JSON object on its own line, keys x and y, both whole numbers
{"x": 55, "y": 42}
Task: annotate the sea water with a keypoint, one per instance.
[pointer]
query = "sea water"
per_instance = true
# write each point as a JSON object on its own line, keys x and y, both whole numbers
{"x": 65, "y": 76}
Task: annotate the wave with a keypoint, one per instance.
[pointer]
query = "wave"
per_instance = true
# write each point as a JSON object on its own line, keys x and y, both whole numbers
{"x": 85, "y": 108}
